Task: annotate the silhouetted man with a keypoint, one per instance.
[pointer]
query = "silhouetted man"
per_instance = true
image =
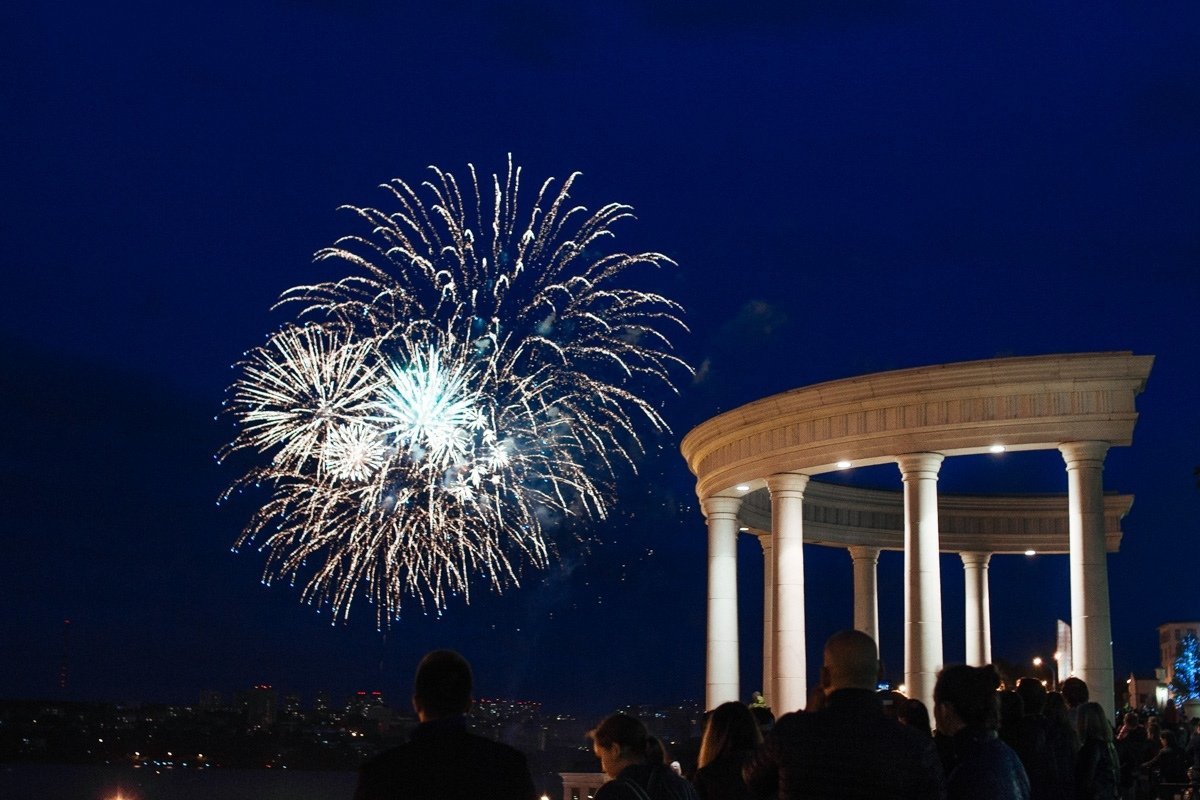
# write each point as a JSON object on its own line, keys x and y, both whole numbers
{"x": 1075, "y": 693}
{"x": 1030, "y": 736}
{"x": 441, "y": 759}
{"x": 848, "y": 749}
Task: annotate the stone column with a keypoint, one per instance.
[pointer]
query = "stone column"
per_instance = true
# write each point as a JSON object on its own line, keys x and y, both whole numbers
{"x": 866, "y": 590}
{"x": 790, "y": 690}
{"x": 722, "y": 659}
{"x": 768, "y": 689}
{"x": 1091, "y": 625}
{"x": 978, "y": 608}
{"x": 922, "y": 575}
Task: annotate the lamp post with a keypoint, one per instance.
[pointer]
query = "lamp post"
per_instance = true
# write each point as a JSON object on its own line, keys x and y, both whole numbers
{"x": 1052, "y": 668}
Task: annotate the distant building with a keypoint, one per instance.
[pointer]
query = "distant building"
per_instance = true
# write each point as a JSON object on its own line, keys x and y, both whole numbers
{"x": 1170, "y": 635}
{"x": 675, "y": 724}
{"x": 211, "y": 700}
{"x": 260, "y": 705}
{"x": 359, "y": 703}
{"x": 1145, "y": 693}
{"x": 514, "y": 722}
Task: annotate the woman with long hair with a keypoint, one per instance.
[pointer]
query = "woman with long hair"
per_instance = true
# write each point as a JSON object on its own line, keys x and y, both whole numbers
{"x": 730, "y": 735}
{"x": 1097, "y": 769}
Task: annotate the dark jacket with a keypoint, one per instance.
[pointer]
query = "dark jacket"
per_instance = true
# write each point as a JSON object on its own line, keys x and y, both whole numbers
{"x": 443, "y": 761}
{"x": 1029, "y": 737}
{"x": 985, "y": 768}
{"x": 1168, "y": 765}
{"x": 722, "y": 779}
{"x": 1063, "y": 743}
{"x": 1132, "y": 751}
{"x": 1097, "y": 771}
{"x": 657, "y": 782}
{"x": 847, "y": 750}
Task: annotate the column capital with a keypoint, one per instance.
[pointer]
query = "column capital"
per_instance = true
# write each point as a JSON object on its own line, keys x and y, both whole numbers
{"x": 859, "y": 552}
{"x": 1074, "y": 452}
{"x": 787, "y": 483}
{"x": 765, "y": 540}
{"x": 720, "y": 505}
{"x": 916, "y": 463}
{"x": 975, "y": 559}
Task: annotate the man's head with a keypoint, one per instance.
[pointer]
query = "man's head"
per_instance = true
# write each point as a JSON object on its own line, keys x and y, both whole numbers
{"x": 1074, "y": 691}
{"x": 442, "y": 686}
{"x": 1033, "y": 695}
{"x": 851, "y": 662}
{"x": 966, "y": 696}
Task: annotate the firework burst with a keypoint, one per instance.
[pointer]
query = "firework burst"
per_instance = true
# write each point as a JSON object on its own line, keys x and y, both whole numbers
{"x": 477, "y": 376}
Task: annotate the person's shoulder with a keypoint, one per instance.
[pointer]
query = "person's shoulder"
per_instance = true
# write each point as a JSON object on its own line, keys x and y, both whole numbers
{"x": 378, "y": 774}
{"x": 618, "y": 789}
{"x": 794, "y": 722}
{"x": 387, "y": 758}
{"x": 665, "y": 783}
{"x": 491, "y": 745}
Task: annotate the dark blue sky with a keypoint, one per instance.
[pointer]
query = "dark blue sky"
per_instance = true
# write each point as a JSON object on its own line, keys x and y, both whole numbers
{"x": 846, "y": 190}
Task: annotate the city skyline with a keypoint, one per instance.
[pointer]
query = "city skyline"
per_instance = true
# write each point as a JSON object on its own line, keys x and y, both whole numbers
{"x": 845, "y": 191}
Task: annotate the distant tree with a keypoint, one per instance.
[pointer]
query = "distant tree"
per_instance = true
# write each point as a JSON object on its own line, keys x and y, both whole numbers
{"x": 1186, "y": 682}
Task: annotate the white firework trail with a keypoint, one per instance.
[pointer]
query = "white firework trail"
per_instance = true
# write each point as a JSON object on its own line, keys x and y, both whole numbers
{"x": 479, "y": 371}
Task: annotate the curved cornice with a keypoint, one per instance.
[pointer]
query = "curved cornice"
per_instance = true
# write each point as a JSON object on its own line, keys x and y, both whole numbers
{"x": 1030, "y": 403}
{"x": 845, "y": 516}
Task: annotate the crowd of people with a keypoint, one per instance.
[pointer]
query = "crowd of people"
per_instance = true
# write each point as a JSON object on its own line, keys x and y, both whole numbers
{"x": 983, "y": 741}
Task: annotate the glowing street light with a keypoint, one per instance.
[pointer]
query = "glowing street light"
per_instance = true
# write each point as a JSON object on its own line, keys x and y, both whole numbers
{"x": 1052, "y": 667}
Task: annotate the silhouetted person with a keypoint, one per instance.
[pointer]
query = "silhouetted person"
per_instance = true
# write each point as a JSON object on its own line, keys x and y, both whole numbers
{"x": 1075, "y": 692}
{"x": 764, "y": 718}
{"x": 1097, "y": 770}
{"x": 442, "y": 760}
{"x": 1191, "y": 750}
{"x": 730, "y": 736}
{"x": 914, "y": 714}
{"x": 1063, "y": 741}
{"x": 848, "y": 749}
{"x": 633, "y": 759}
{"x": 1168, "y": 765}
{"x": 1030, "y": 737}
{"x": 1133, "y": 749}
{"x": 967, "y": 708}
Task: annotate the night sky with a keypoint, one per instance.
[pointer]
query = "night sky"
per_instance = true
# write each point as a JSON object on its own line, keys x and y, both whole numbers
{"x": 846, "y": 187}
